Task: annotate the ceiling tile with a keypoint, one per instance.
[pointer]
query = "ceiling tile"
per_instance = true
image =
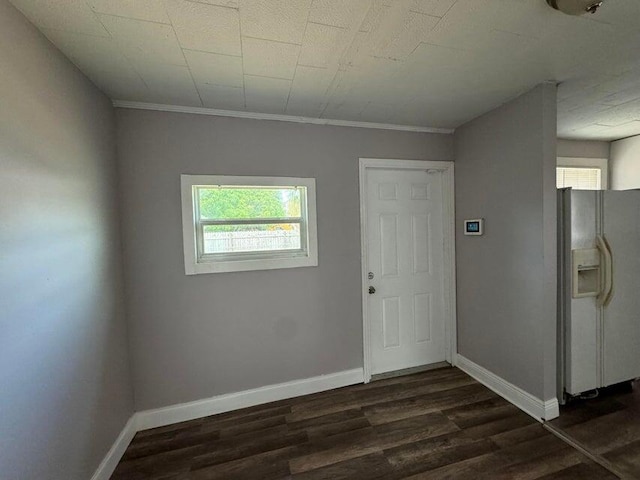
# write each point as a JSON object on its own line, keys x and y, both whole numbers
{"x": 429, "y": 58}
{"x": 345, "y": 110}
{"x": 406, "y": 35}
{"x": 619, "y": 115}
{"x": 150, "y": 10}
{"x": 573, "y": 87}
{"x": 589, "y": 132}
{"x": 627, "y": 130}
{"x": 396, "y": 32}
{"x": 313, "y": 80}
{"x": 497, "y": 44}
{"x": 365, "y": 84}
{"x": 616, "y": 121}
{"x": 264, "y": 94}
{"x": 587, "y": 110}
{"x": 311, "y": 109}
{"x": 221, "y": 3}
{"x": 414, "y": 112}
{"x": 281, "y": 20}
{"x": 144, "y": 41}
{"x": 70, "y": 15}
{"x": 100, "y": 59}
{"x": 223, "y": 98}
{"x": 468, "y": 24}
{"x": 581, "y": 117}
{"x": 204, "y": 27}
{"x": 169, "y": 83}
{"x": 310, "y": 90}
{"x": 338, "y": 13}
{"x": 437, "y": 8}
{"x": 378, "y": 112}
{"x": 625, "y": 14}
{"x": 358, "y": 50}
{"x": 215, "y": 69}
{"x": 88, "y": 50}
{"x": 323, "y": 45}
{"x": 373, "y": 16}
{"x": 621, "y": 97}
{"x": 269, "y": 59}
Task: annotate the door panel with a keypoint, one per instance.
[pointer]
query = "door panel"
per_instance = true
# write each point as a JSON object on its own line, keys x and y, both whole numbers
{"x": 406, "y": 256}
{"x": 621, "y": 322}
{"x": 582, "y": 327}
{"x": 391, "y": 321}
{"x": 421, "y": 247}
{"x": 389, "y": 244}
{"x": 422, "y": 310}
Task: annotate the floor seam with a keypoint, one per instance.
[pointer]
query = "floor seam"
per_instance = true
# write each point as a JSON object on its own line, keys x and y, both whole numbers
{"x": 592, "y": 456}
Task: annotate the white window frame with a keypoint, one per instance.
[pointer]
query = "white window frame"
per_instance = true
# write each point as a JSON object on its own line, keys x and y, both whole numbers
{"x": 601, "y": 164}
{"x": 251, "y": 260}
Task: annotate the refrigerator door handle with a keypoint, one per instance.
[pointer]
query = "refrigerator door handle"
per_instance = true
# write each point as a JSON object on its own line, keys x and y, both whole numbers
{"x": 604, "y": 298}
{"x": 607, "y": 300}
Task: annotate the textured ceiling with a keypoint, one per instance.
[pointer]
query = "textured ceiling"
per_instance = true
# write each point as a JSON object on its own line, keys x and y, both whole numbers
{"x": 436, "y": 63}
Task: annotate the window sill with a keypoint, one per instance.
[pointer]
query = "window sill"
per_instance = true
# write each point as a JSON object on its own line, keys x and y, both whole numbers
{"x": 249, "y": 265}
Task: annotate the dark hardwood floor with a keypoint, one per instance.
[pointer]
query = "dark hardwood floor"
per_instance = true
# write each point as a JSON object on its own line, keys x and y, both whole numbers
{"x": 439, "y": 424}
{"x": 608, "y": 427}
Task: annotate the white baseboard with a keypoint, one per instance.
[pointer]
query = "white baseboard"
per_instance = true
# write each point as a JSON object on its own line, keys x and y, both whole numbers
{"x": 551, "y": 409}
{"x": 110, "y": 461}
{"x": 222, "y": 403}
{"x": 538, "y": 409}
{"x": 233, "y": 401}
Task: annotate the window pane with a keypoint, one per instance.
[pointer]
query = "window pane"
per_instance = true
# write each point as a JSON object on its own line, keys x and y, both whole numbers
{"x": 578, "y": 178}
{"x": 251, "y": 238}
{"x": 228, "y": 203}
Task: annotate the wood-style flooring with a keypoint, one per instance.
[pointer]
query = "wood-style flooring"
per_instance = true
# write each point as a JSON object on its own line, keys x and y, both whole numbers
{"x": 439, "y": 424}
{"x": 607, "y": 427}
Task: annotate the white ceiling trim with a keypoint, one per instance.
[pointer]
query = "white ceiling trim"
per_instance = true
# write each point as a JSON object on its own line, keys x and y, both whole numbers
{"x": 272, "y": 116}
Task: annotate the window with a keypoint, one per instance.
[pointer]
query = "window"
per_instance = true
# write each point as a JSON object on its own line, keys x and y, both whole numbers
{"x": 578, "y": 178}
{"x": 248, "y": 223}
{"x": 582, "y": 173}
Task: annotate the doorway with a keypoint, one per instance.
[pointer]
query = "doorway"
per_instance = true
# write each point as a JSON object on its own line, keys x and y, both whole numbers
{"x": 408, "y": 264}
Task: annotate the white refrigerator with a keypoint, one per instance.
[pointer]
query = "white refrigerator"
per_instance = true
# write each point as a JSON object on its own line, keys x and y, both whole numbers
{"x": 599, "y": 289}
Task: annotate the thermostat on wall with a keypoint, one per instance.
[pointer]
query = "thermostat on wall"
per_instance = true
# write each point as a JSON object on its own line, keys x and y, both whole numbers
{"x": 474, "y": 227}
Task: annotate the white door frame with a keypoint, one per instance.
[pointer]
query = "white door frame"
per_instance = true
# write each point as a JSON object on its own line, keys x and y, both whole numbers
{"x": 449, "y": 280}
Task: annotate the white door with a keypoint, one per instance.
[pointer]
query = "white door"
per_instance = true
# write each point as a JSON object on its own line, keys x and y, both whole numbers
{"x": 405, "y": 260}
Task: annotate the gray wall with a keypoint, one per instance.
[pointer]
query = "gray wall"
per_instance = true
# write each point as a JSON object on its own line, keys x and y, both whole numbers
{"x": 583, "y": 148}
{"x": 624, "y": 165}
{"x": 64, "y": 376}
{"x": 505, "y": 173}
{"x": 198, "y": 336}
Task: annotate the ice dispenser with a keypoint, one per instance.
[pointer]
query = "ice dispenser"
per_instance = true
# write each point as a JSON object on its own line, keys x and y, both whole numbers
{"x": 585, "y": 272}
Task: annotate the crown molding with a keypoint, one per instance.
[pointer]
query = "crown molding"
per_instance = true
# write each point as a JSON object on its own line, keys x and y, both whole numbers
{"x": 272, "y": 116}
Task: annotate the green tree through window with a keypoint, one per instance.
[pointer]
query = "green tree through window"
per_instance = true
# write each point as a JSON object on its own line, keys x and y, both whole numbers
{"x": 247, "y": 203}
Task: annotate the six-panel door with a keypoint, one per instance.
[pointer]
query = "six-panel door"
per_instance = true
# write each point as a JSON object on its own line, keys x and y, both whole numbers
{"x": 406, "y": 256}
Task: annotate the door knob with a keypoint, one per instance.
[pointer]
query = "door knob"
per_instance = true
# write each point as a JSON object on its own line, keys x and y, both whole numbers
{"x": 372, "y": 290}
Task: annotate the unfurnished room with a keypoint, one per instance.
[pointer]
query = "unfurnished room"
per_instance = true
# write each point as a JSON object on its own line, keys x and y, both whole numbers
{"x": 319, "y": 239}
